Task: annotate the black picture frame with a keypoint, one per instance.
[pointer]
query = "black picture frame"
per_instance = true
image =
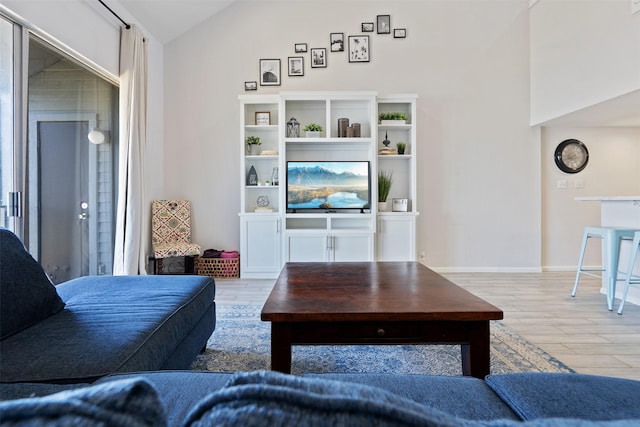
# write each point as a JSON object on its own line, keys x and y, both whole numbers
{"x": 367, "y": 27}
{"x": 300, "y": 48}
{"x": 384, "y": 24}
{"x": 336, "y": 41}
{"x": 359, "y": 49}
{"x": 318, "y": 57}
{"x": 399, "y": 33}
{"x": 270, "y": 72}
{"x": 252, "y": 85}
{"x": 295, "y": 66}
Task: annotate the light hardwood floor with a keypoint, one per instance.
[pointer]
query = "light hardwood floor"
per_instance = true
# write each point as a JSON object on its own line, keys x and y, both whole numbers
{"x": 580, "y": 331}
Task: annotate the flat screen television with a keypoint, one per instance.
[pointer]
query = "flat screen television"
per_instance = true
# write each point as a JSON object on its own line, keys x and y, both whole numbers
{"x": 328, "y": 186}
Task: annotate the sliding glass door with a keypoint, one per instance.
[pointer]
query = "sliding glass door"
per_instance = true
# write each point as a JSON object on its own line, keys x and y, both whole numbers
{"x": 66, "y": 178}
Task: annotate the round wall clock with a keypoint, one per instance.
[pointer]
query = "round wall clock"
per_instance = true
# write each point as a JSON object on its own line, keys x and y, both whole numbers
{"x": 571, "y": 156}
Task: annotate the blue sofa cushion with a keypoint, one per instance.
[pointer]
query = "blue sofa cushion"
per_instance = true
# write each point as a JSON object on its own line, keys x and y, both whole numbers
{"x": 110, "y": 324}
{"x": 545, "y": 395}
{"x": 265, "y": 398}
{"x": 179, "y": 391}
{"x": 27, "y": 296}
{"x": 130, "y": 402}
{"x": 465, "y": 397}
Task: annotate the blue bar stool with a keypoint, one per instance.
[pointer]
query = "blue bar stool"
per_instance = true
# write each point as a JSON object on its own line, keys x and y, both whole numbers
{"x": 612, "y": 237}
{"x": 631, "y": 279}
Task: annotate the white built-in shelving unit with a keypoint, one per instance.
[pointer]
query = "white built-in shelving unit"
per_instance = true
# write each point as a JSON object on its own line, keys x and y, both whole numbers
{"x": 270, "y": 237}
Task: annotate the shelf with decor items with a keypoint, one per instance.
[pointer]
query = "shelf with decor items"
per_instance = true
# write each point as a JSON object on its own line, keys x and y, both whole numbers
{"x": 333, "y": 232}
{"x": 396, "y": 222}
{"x": 260, "y": 222}
{"x": 317, "y": 222}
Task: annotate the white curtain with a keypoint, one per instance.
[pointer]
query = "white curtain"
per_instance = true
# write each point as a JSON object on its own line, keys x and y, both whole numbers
{"x": 132, "y": 220}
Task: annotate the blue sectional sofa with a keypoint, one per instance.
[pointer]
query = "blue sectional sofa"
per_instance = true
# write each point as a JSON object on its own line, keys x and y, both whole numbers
{"x": 90, "y": 327}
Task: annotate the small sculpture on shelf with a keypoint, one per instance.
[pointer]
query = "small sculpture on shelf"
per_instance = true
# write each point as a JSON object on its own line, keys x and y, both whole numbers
{"x": 293, "y": 128}
{"x": 263, "y": 204}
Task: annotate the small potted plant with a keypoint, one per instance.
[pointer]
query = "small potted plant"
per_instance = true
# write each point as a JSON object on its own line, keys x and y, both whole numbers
{"x": 392, "y": 118}
{"x": 401, "y": 146}
{"x": 252, "y": 145}
{"x": 312, "y": 130}
{"x": 385, "y": 179}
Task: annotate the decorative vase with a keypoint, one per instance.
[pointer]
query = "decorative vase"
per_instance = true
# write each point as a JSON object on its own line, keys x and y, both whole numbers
{"x": 312, "y": 134}
{"x": 253, "y": 149}
{"x": 382, "y": 206}
{"x": 400, "y": 150}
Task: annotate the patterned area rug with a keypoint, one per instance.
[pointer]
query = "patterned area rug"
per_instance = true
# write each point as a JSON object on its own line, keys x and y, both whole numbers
{"x": 241, "y": 342}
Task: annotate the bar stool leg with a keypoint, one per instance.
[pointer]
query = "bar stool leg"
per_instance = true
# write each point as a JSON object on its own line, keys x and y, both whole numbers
{"x": 632, "y": 261}
{"x": 611, "y": 255}
{"x": 585, "y": 238}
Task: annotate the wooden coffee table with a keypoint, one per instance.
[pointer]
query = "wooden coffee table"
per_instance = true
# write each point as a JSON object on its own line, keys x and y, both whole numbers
{"x": 375, "y": 303}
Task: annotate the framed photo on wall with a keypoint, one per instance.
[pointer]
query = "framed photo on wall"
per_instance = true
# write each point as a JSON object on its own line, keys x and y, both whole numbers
{"x": 250, "y": 85}
{"x": 359, "y": 49}
{"x": 384, "y": 24}
{"x": 318, "y": 58}
{"x": 337, "y": 42}
{"x": 367, "y": 27}
{"x": 399, "y": 33}
{"x": 300, "y": 47}
{"x": 296, "y": 66}
{"x": 269, "y": 72}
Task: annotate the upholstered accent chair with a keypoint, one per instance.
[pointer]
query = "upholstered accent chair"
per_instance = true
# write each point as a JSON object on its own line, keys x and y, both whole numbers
{"x": 171, "y": 234}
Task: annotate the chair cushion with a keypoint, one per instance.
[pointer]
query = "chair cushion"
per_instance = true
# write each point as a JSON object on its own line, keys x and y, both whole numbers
{"x": 130, "y": 402}
{"x": 545, "y": 395}
{"x": 175, "y": 249}
{"x": 27, "y": 296}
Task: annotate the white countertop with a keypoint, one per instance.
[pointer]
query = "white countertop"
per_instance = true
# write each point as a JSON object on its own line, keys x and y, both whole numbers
{"x": 608, "y": 198}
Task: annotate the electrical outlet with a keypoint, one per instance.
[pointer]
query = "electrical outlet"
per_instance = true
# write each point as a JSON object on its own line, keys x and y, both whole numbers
{"x": 422, "y": 255}
{"x": 579, "y": 183}
{"x": 562, "y": 184}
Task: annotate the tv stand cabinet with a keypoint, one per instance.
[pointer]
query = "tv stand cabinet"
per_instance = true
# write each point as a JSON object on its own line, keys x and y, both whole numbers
{"x": 271, "y": 235}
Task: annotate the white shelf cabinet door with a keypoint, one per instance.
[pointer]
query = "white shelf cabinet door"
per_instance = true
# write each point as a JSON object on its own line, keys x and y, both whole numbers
{"x": 260, "y": 246}
{"x": 307, "y": 247}
{"x": 351, "y": 247}
{"x": 396, "y": 238}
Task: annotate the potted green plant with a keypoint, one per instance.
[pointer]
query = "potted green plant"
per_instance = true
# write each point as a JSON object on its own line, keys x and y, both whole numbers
{"x": 392, "y": 118}
{"x": 385, "y": 179}
{"x": 252, "y": 145}
{"x": 401, "y": 146}
{"x": 312, "y": 130}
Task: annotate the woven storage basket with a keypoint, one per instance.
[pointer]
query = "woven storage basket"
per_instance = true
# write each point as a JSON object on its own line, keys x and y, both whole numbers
{"x": 219, "y": 267}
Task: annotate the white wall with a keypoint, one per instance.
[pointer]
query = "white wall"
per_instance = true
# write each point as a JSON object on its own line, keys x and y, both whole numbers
{"x": 614, "y": 156}
{"x": 582, "y": 53}
{"x": 468, "y": 61}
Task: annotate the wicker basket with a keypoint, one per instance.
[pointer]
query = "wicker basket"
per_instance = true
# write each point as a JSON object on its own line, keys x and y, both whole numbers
{"x": 219, "y": 267}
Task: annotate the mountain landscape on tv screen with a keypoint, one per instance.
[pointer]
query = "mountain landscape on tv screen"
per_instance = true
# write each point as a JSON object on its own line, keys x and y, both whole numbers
{"x": 320, "y": 187}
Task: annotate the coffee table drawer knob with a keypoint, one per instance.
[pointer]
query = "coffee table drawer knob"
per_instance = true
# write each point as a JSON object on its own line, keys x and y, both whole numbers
{"x": 380, "y": 332}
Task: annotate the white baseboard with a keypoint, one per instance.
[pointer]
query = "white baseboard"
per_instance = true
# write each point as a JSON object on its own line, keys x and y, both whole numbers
{"x": 486, "y": 269}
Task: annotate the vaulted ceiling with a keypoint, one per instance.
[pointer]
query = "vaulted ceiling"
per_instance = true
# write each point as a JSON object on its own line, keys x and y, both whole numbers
{"x": 168, "y": 19}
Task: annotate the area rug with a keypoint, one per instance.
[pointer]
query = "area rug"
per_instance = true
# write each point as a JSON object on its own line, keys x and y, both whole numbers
{"x": 241, "y": 342}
